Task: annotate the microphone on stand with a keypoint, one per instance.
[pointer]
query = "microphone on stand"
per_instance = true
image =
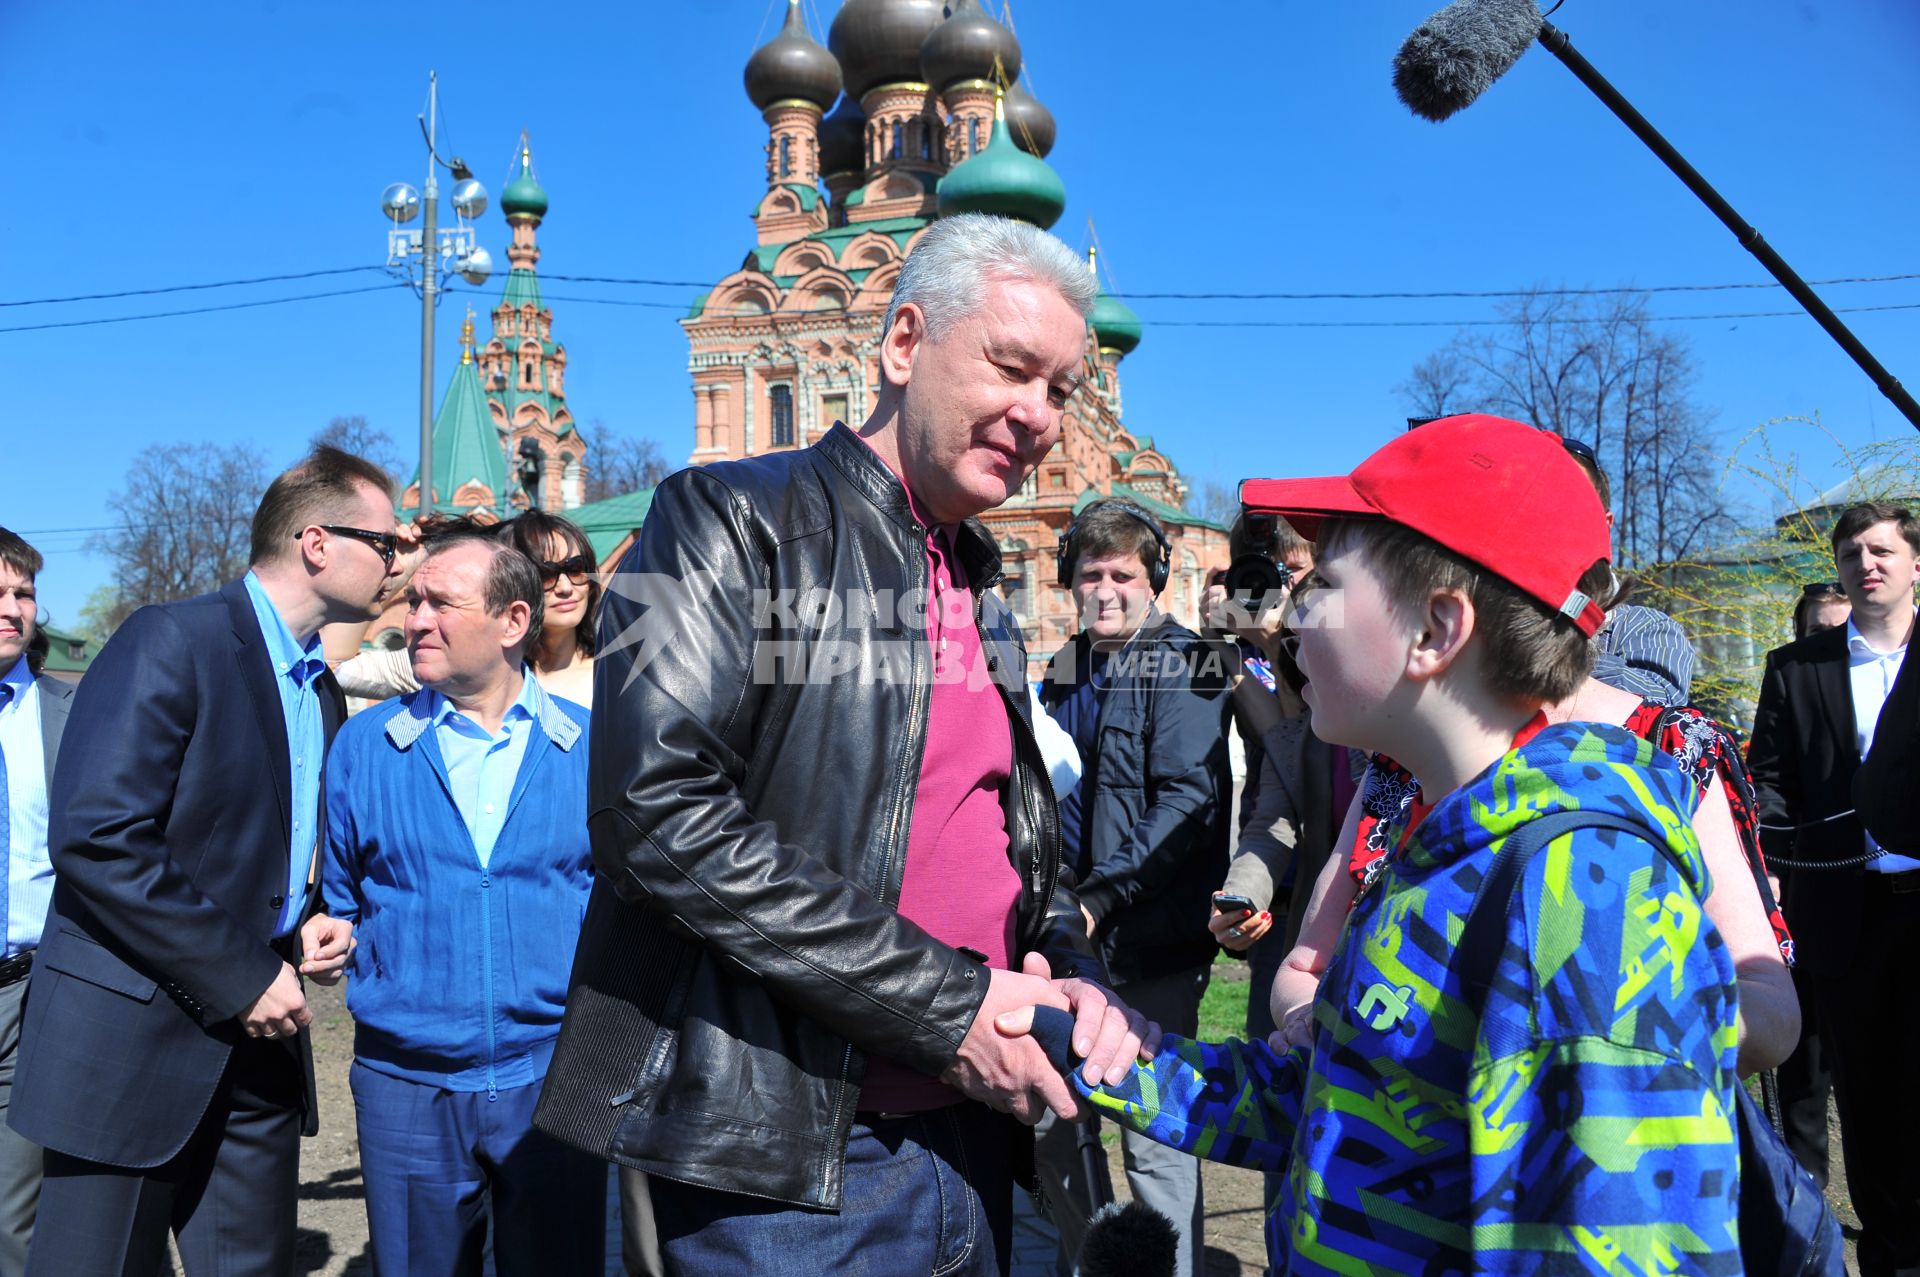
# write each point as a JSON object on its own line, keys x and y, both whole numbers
{"x": 1451, "y": 59}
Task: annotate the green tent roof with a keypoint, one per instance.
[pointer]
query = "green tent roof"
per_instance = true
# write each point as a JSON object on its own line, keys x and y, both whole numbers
{"x": 1152, "y": 505}
{"x": 67, "y": 653}
{"x": 607, "y": 522}
{"x": 466, "y": 443}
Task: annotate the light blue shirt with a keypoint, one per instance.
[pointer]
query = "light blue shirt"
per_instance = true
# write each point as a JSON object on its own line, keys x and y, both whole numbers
{"x": 29, "y": 870}
{"x": 294, "y": 670}
{"x": 481, "y": 767}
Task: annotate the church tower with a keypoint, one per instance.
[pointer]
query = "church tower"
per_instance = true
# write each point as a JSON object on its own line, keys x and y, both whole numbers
{"x": 523, "y": 370}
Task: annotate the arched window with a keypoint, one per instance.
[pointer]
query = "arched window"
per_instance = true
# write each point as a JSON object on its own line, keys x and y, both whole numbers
{"x": 973, "y": 136}
{"x": 786, "y": 156}
{"x": 899, "y": 139}
{"x": 783, "y": 416}
{"x": 926, "y": 140}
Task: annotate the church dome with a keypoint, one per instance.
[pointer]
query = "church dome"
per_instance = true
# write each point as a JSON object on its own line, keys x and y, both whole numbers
{"x": 1004, "y": 179}
{"x": 843, "y": 138}
{"x": 1030, "y": 123}
{"x": 878, "y": 41}
{"x": 1115, "y": 326}
{"x": 792, "y": 65}
{"x": 523, "y": 196}
{"x": 966, "y": 47}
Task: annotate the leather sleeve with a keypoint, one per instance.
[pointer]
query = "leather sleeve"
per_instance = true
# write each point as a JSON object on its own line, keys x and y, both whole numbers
{"x": 1773, "y": 758}
{"x": 1186, "y": 776}
{"x": 125, "y": 744}
{"x": 675, "y": 696}
{"x": 1883, "y": 790}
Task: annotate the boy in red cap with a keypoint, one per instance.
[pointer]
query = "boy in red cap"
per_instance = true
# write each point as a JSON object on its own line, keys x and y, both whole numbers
{"x": 1570, "y": 1107}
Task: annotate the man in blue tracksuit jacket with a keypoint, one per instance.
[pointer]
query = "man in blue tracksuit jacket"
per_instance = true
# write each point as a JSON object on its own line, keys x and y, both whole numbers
{"x": 457, "y": 845}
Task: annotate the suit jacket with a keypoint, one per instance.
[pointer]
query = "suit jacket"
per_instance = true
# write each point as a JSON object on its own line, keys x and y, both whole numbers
{"x": 168, "y": 830}
{"x": 56, "y": 702}
{"x": 1293, "y": 821}
{"x": 1883, "y": 788}
{"x": 1803, "y": 756}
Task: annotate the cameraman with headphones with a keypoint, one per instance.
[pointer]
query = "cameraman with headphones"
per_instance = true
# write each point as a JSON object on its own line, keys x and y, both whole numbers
{"x": 1146, "y": 833}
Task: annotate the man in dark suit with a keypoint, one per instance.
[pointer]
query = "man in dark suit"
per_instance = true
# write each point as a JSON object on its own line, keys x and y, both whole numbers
{"x": 33, "y": 714}
{"x": 161, "y": 1064}
{"x": 1854, "y": 907}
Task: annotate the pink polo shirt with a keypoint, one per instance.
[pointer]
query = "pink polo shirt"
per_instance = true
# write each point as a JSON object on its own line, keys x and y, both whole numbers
{"x": 958, "y": 884}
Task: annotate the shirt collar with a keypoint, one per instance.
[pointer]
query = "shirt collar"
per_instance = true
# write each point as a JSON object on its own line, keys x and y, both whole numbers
{"x": 1861, "y": 652}
{"x": 427, "y": 708}
{"x": 20, "y": 677}
{"x": 290, "y": 658}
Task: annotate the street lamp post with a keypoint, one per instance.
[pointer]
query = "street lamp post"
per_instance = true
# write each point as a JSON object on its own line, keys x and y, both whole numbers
{"x": 426, "y": 258}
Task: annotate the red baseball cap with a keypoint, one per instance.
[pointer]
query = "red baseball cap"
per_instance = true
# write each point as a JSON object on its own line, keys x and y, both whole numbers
{"x": 1501, "y": 494}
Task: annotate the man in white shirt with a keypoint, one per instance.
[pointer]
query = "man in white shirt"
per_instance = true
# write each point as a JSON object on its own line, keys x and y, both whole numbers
{"x": 1854, "y": 908}
{"x": 33, "y": 713}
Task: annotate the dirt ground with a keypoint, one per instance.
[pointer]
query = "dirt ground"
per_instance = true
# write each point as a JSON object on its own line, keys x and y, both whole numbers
{"x": 333, "y": 1216}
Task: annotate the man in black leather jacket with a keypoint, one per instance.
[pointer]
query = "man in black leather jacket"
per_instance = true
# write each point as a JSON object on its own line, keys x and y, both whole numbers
{"x": 780, "y": 1007}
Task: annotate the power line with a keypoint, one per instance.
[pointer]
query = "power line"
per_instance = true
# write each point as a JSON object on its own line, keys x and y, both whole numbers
{"x": 201, "y": 310}
{"x": 1501, "y": 292}
{"x": 1482, "y": 323}
{"x": 188, "y": 288}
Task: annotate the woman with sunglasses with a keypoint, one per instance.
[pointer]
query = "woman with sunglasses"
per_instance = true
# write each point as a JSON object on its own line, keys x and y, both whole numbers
{"x": 562, "y": 657}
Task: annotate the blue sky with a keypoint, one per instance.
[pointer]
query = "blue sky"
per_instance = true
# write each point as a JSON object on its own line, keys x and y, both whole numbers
{"x": 1222, "y": 146}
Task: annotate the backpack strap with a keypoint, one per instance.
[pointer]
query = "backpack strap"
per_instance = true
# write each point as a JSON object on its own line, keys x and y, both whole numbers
{"x": 1483, "y": 936}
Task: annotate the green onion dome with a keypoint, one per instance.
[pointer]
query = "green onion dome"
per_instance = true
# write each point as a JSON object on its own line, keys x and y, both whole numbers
{"x": 1004, "y": 179}
{"x": 792, "y": 66}
{"x": 1115, "y": 326}
{"x": 523, "y": 196}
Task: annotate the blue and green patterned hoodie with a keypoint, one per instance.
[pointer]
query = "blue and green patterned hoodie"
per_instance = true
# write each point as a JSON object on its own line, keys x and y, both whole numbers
{"x": 1583, "y": 1124}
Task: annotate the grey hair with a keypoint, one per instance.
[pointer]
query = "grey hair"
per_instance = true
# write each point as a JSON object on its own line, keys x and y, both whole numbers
{"x": 947, "y": 272}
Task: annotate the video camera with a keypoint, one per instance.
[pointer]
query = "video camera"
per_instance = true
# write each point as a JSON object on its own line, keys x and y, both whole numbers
{"x": 1256, "y": 580}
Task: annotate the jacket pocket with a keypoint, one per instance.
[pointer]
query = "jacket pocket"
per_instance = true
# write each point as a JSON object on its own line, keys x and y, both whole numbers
{"x": 85, "y": 958}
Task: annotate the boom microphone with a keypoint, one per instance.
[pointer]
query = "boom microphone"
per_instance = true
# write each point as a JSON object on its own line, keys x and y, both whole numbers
{"x": 1452, "y": 57}
{"x": 1133, "y": 1240}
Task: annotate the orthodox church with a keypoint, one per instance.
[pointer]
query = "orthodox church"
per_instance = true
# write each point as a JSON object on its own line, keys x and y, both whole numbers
{"x": 914, "y": 110}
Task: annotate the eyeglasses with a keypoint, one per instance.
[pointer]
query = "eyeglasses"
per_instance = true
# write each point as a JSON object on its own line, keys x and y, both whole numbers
{"x": 386, "y": 544}
{"x": 1820, "y": 589}
{"x": 576, "y": 569}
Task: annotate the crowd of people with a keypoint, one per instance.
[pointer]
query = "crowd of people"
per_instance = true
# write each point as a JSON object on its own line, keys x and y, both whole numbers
{"x": 771, "y": 907}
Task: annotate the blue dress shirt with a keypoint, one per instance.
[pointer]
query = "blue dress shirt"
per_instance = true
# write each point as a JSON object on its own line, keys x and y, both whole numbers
{"x": 29, "y": 885}
{"x": 295, "y": 667}
{"x": 481, "y": 767}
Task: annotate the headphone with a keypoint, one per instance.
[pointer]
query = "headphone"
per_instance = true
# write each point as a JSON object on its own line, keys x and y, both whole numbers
{"x": 1157, "y": 572}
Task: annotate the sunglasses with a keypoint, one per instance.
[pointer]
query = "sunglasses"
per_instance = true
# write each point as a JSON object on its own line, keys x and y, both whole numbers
{"x": 1581, "y": 450}
{"x": 576, "y": 569}
{"x": 1819, "y": 589}
{"x": 386, "y": 544}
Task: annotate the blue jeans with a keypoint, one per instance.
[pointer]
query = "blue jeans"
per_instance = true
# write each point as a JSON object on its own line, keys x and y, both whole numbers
{"x": 930, "y": 1193}
{"x": 438, "y": 1163}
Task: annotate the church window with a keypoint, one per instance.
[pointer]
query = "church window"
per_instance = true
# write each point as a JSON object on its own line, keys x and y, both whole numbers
{"x": 783, "y": 416}
{"x": 926, "y": 141}
{"x": 899, "y": 135}
{"x": 973, "y": 136}
{"x": 833, "y": 408}
{"x": 786, "y": 156}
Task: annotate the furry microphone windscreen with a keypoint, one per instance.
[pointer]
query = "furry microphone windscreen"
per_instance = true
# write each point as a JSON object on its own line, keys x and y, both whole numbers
{"x": 1452, "y": 57}
{"x": 1129, "y": 1241}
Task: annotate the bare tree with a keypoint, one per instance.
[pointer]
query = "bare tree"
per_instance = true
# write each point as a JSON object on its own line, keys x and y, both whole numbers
{"x": 1215, "y": 502}
{"x": 621, "y": 463}
{"x": 1434, "y": 387}
{"x": 181, "y": 524}
{"x": 1596, "y": 369}
{"x": 356, "y": 435}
